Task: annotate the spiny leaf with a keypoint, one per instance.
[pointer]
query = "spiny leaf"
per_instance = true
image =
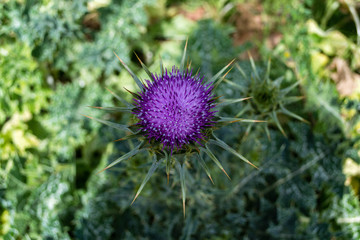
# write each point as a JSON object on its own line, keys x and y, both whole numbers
{"x": 246, "y": 134}
{"x": 291, "y": 114}
{"x": 111, "y": 124}
{"x": 182, "y": 181}
{"x": 168, "y": 165}
{"x": 285, "y": 91}
{"x": 218, "y": 81}
{"x": 253, "y": 66}
{"x": 288, "y": 100}
{"x": 212, "y": 156}
{"x": 233, "y": 120}
{"x": 136, "y": 79}
{"x": 120, "y": 99}
{"x": 241, "y": 88}
{"x": 182, "y": 64}
{"x": 277, "y": 82}
{"x": 243, "y": 110}
{"x": 217, "y": 75}
{"x": 145, "y": 68}
{"x": 267, "y": 132}
{"x": 130, "y": 136}
{"x": 222, "y": 144}
{"x": 204, "y": 166}
{"x": 276, "y": 120}
{"x": 268, "y": 70}
{"x": 225, "y": 102}
{"x": 128, "y": 155}
{"x": 240, "y": 70}
{"x": 115, "y": 109}
{"x": 151, "y": 171}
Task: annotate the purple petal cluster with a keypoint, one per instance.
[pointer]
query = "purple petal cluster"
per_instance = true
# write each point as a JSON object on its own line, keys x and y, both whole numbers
{"x": 174, "y": 109}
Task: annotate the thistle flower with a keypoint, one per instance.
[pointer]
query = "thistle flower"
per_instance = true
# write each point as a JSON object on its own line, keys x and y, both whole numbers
{"x": 176, "y": 117}
{"x": 175, "y": 109}
{"x": 268, "y": 98}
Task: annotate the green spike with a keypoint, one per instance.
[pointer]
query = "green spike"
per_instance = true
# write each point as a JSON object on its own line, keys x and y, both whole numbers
{"x": 182, "y": 181}
{"x": 111, "y": 124}
{"x": 204, "y": 166}
{"x": 240, "y": 70}
{"x": 217, "y": 75}
{"x": 243, "y": 110}
{"x": 120, "y": 98}
{"x": 168, "y": 165}
{"x": 136, "y": 79}
{"x": 233, "y": 120}
{"x": 291, "y": 114}
{"x": 115, "y": 109}
{"x": 222, "y": 144}
{"x": 225, "y": 102}
{"x": 128, "y": 155}
{"x": 277, "y": 82}
{"x": 275, "y": 118}
{"x": 285, "y": 91}
{"x": 291, "y": 99}
{"x": 267, "y": 132}
{"x": 219, "y": 80}
{"x": 241, "y": 88}
{"x": 145, "y": 68}
{"x": 151, "y": 171}
{"x": 130, "y": 136}
{"x": 253, "y": 66}
{"x": 212, "y": 156}
{"x": 268, "y": 70}
{"x": 246, "y": 134}
{"x": 182, "y": 64}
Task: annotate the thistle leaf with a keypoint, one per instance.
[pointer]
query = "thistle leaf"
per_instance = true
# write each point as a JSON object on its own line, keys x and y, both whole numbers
{"x": 218, "y": 81}
{"x": 151, "y": 171}
{"x": 136, "y": 79}
{"x": 168, "y": 165}
{"x": 288, "y": 100}
{"x": 130, "y": 136}
{"x": 145, "y": 68}
{"x": 212, "y": 156}
{"x": 115, "y": 109}
{"x": 182, "y": 64}
{"x": 111, "y": 124}
{"x": 253, "y": 66}
{"x": 285, "y": 91}
{"x": 204, "y": 166}
{"x": 291, "y": 114}
{"x": 267, "y": 132}
{"x": 182, "y": 181}
{"x": 217, "y": 75}
{"x": 240, "y": 70}
{"x": 268, "y": 70}
{"x": 241, "y": 88}
{"x": 276, "y": 120}
{"x": 120, "y": 99}
{"x": 231, "y": 101}
{"x": 128, "y": 155}
{"x": 233, "y": 120}
{"x": 222, "y": 144}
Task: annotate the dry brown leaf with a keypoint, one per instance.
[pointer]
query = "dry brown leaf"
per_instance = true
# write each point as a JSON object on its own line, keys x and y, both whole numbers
{"x": 346, "y": 81}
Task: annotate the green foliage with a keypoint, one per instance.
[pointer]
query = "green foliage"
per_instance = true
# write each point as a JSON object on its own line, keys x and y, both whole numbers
{"x": 56, "y": 58}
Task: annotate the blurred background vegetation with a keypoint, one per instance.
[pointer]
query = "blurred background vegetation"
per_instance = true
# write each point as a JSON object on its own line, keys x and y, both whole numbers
{"x": 56, "y": 58}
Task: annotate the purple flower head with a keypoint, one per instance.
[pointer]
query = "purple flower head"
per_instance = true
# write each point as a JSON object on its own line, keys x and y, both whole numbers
{"x": 175, "y": 109}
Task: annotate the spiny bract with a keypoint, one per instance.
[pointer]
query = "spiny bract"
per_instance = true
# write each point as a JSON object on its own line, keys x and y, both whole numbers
{"x": 176, "y": 115}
